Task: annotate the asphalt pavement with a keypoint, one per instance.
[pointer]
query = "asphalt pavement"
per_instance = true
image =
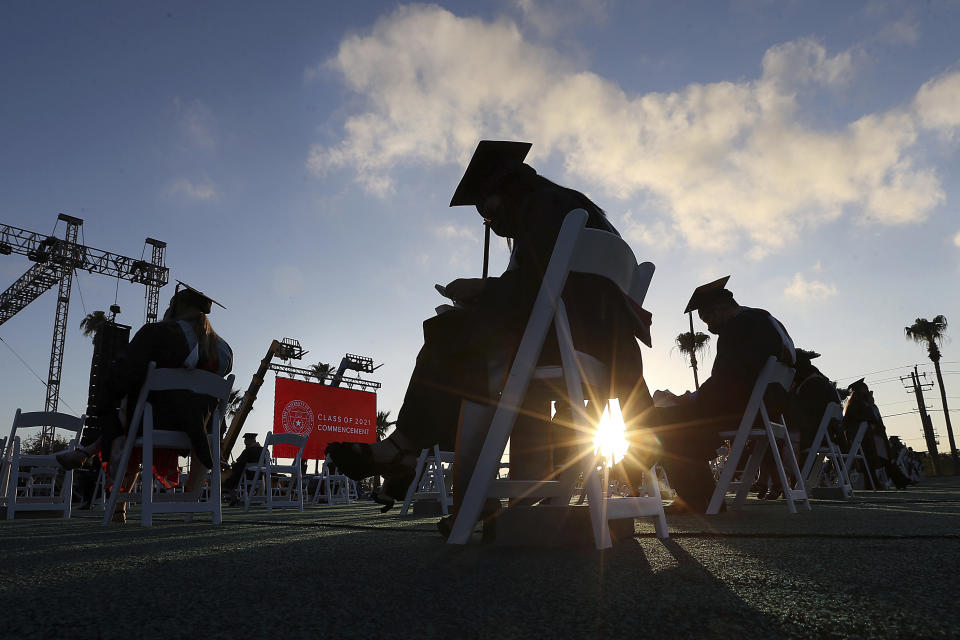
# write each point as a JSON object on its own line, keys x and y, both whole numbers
{"x": 884, "y": 565}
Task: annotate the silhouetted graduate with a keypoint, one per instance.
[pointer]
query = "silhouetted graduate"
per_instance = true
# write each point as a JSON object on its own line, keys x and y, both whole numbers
{"x": 467, "y": 349}
{"x": 688, "y": 431}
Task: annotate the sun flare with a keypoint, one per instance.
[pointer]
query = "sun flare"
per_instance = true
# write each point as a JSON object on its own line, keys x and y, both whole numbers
{"x": 610, "y": 441}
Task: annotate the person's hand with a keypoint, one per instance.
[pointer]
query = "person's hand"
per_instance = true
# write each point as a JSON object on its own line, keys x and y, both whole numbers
{"x": 464, "y": 289}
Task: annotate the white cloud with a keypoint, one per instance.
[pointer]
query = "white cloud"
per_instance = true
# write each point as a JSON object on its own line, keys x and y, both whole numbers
{"x": 725, "y": 162}
{"x": 197, "y": 123}
{"x": 803, "y": 290}
{"x": 455, "y": 232}
{"x": 956, "y": 239}
{"x": 656, "y": 234}
{"x": 203, "y": 191}
{"x": 936, "y": 104}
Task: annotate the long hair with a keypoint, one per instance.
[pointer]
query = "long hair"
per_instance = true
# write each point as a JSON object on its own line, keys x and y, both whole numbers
{"x": 207, "y": 338}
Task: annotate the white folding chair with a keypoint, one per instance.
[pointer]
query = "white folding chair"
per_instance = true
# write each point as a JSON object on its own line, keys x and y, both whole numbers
{"x": 334, "y": 488}
{"x": 29, "y": 482}
{"x": 855, "y": 454}
{"x": 277, "y": 485}
{"x": 823, "y": 449}
{"x": 580, "y": 250}
{"x": 772, "y": 436}
{"x": 431, "y": 480}
{"x": 162, "y": 379}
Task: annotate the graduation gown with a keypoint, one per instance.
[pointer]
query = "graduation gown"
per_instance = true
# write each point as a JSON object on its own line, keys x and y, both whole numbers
{"x": 463, "y": 346}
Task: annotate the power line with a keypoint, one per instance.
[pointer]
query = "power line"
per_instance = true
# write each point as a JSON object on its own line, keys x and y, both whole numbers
{"x": 864, "y": 375}
{"x": 30, "y": 369}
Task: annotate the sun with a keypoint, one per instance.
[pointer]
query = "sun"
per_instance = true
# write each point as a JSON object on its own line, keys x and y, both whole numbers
{"x": 610, "y": 441}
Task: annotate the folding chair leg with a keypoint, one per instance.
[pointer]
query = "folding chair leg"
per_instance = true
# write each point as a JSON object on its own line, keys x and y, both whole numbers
{"x": 417, "y": 476}
{"x": 751, "y": 471}
{"x": 775, "y": 452}
{"x": 799, "y": 487}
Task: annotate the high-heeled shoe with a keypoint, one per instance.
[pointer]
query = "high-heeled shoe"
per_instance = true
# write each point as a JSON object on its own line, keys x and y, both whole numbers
{"x": 394, "y": 488}
{"x": 355, "y": 460}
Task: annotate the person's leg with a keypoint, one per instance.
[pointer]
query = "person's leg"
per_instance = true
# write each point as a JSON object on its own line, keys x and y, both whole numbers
{"x": 231, "y": 483}
{"x": 688, "y": 436}
{"x": 125, "y": 484}
{"x": 430, "y": 406}
{"x": 196, "y": 476}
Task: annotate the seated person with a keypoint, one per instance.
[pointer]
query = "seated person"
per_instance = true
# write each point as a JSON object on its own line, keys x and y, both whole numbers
{"x": 467, "y": 350}
{"x": 249, "y": 455}
{"x": 183, "y": 339}
{"x": 810, "y": 394}
{"x": 688, "y": 430}
{"x": 876, "y": 448}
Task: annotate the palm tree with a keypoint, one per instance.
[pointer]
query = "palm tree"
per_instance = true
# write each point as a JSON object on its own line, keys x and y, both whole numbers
{"x": 92, "y": 323}
{"x": 383, "y": 423}
{"x": 931, "y": 333}
{"x": 321, "y": 371}
{"x": 234, "y": 402}
{"x": 690, "y": 344}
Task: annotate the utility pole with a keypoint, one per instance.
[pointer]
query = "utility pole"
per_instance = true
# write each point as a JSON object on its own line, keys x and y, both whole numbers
{"x": 929, "y": 435}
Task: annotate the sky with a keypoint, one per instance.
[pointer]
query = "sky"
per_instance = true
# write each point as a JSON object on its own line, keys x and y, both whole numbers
{"x": 299, "y": 157}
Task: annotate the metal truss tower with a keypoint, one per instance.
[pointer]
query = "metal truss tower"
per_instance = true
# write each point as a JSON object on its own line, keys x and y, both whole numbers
{"x": 65, "y": 258}
{"x": 152, "y": 295}
{"x": 56, "y": 260}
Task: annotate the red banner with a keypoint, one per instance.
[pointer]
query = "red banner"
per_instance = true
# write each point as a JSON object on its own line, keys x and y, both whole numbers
{"x": 324, "y": 414}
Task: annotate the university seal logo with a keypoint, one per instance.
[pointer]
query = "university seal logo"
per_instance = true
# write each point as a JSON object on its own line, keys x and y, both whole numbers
{"x": 297, "y": 417}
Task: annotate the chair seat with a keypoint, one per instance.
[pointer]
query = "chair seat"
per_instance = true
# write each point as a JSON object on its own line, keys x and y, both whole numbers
{"x": 633, "y": 507}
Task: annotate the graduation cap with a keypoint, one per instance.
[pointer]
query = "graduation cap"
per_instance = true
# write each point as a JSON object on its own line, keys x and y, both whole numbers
{"x": 856, "y": 383}
{"x": 188, "y": 296}
{"x": 249, "y": 436}
{"x": 809, "y": 355}
{"x": 492, "y": 160}
{"x": 707, "y": 294}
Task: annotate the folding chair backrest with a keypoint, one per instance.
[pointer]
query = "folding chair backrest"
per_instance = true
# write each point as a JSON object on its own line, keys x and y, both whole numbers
{"x": 25, "y": 420}
{"x": 195, "y": 380}
{"x": 774, "y": 373}
{"x": 285, "y": 438}
{"x": 607, "y": 255}
{"x": 291, "y": 439}
{"x": 48, "y": 419}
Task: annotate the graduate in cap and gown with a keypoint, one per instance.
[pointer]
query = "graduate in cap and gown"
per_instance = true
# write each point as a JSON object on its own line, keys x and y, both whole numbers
{"x": 876, "y": 446}
{"x": 250, "y": 455}
{"x": 184, "y": 339}
{"x": 688, "y": 430}
{"x": 810, "y": 395}
{"x": 468, "y": 349}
